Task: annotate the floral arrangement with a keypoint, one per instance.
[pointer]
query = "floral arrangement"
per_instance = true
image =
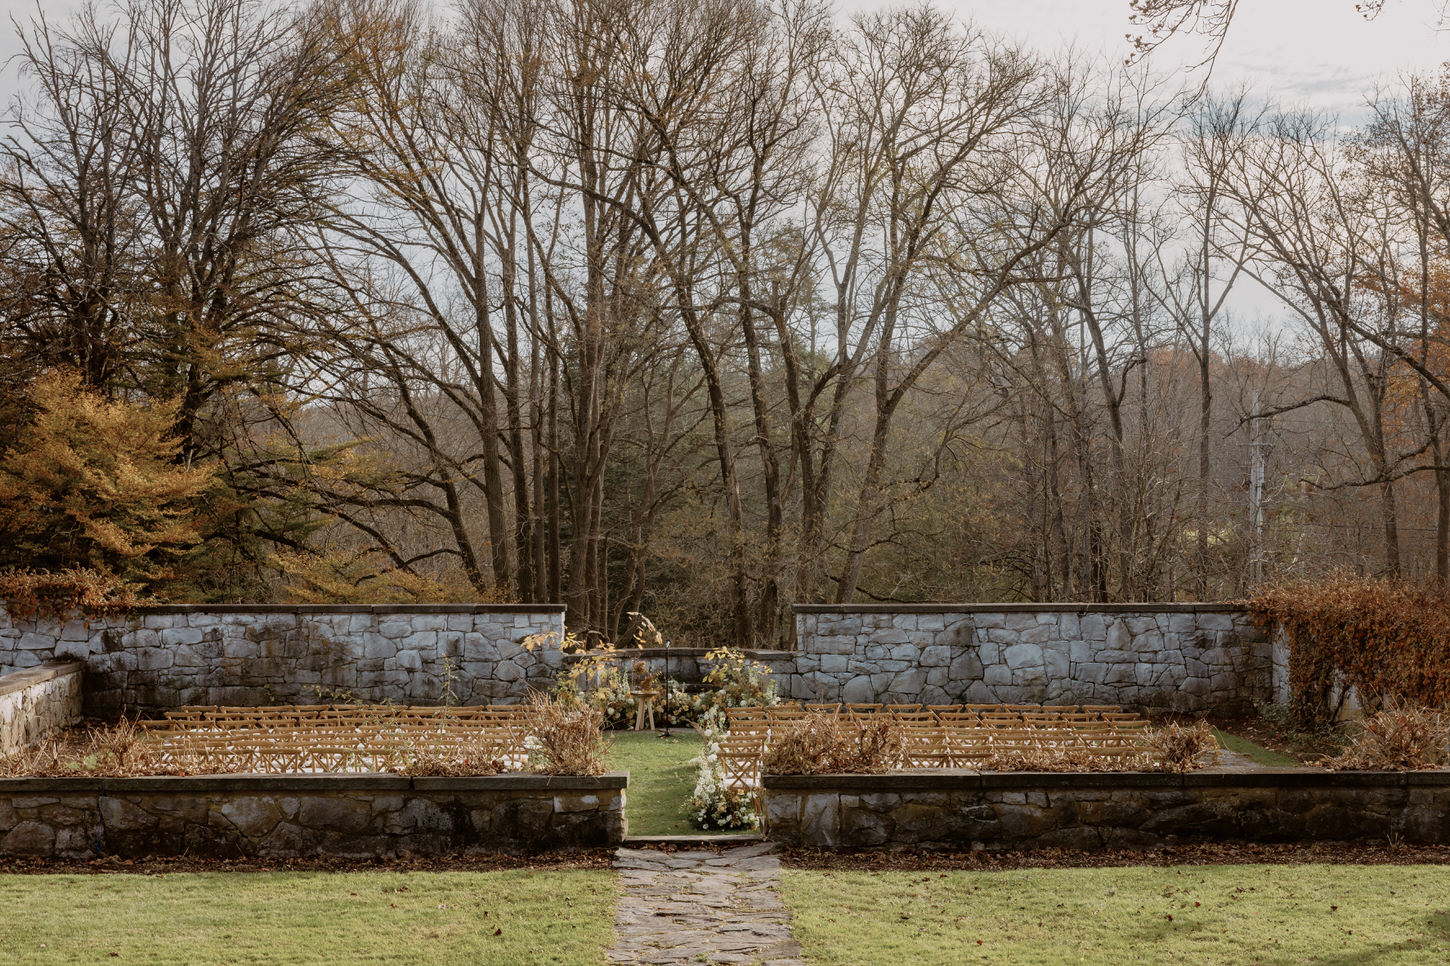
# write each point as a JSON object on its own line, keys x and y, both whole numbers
{"x": 596, "y": 680}
{"x": 737, "y": 682}
{"x": 713, "y": 804}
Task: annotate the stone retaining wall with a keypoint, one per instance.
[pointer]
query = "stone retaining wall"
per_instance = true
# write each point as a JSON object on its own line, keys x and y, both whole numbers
{"x": 37, "y": 701}
{"x": 164, "y": 657}
{"x": 281, "y": 816}
{"x": 1181, "y": 657}
{"x": 971, "y": 810}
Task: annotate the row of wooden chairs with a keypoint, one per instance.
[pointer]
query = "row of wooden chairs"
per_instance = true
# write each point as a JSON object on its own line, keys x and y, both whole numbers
{"x": 336, "y": 738}
{"x": 946, "y": 736}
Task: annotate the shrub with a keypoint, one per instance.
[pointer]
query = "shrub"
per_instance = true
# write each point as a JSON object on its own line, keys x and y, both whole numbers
{"x": 1399, "y": 738}
{"x": 1387, "y": 640}
{"x": 565, "y": 739}
{"x": 829, "y": 744}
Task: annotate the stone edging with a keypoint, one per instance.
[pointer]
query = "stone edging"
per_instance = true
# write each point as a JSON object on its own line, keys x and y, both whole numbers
{"x": 1066, "y": 607}
{"x": 945, "y": 779}
{"x": 262, "y": 784}
{"x": 49, "y": 671}
{"x": 324, "y": 609}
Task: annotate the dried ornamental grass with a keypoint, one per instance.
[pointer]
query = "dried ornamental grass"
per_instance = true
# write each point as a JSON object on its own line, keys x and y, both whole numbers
{"x": 119, "y": 750}
{"x": 828, "y": 745}
{"x": 478, "y": 754}
{"x": 1400, "y": 738}
{"x": 1064, "y": 760}
{"x": 565, "y": 738}
{"x": 1179, "y": 748}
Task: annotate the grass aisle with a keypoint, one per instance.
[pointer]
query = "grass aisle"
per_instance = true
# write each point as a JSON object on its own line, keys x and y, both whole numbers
{"x": 502, "y": 917}
{"x": 1256, "y": 753}
{"x": 1277, "y": 914}
{"x": 661, "y": 779}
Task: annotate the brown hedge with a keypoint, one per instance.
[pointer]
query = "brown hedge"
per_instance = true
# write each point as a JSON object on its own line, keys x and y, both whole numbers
{"x": 1389, "y": 640}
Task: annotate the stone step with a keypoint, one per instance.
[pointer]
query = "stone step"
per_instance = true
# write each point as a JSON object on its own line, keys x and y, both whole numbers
{"x": 726, "y": 839}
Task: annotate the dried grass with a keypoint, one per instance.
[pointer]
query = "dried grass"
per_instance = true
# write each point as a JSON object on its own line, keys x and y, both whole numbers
{"x": 565, "y": 738}
{"x": 478, "y": 754}
{"x": 117, "y": 750}
{"x": 829, "y": 745}
{"x": 1179, "y": 748}
{"x": 1064, "y": 759}
{"x": 1402, "y": 737}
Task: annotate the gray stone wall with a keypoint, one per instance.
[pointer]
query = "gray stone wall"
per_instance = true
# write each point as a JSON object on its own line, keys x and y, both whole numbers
{"x": 37, "y": 701}
{"x": 272, "y": 816}
{"x": 1180, "y": 657}
{"x": 969, "y": 810}
{"x": 165, "y": 657}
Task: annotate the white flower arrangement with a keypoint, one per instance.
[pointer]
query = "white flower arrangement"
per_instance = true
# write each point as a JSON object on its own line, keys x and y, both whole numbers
{"x": 713, "y": 804}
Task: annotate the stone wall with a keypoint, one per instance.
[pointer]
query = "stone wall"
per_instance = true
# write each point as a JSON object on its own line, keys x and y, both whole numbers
{"x": 278, "y": 816}
{"x": 1181, "y": 657}
{"x": 165, "y": 657}
{"x": 970, "y": 810}
{"x": 37, "y": 701}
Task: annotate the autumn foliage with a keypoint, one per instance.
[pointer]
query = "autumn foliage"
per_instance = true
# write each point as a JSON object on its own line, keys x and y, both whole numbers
{"x": 96, "y": 484}
{"x": 1388, "y": 640}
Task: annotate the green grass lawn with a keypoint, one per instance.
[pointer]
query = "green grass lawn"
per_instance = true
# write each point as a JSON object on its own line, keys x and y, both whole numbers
{"x": 1258, "y": 753}
{"x": 1188, "y": 916}
{"x": 661, "y": 779}
{"x": 497, "y": 917}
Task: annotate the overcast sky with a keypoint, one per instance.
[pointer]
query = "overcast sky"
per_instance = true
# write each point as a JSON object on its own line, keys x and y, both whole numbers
{"x": 1317, "y": 53}
{"x": 1306, "y": 51}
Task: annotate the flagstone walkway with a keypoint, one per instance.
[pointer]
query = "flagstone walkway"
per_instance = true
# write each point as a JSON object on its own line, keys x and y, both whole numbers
{"x": 703, "y": 907}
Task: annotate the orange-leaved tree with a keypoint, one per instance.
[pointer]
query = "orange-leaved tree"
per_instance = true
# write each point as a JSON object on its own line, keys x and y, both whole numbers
{"x": 96, "y": 483}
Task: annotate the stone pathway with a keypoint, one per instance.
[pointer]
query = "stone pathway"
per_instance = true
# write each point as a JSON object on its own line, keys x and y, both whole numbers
{"x": 703, "y": 907}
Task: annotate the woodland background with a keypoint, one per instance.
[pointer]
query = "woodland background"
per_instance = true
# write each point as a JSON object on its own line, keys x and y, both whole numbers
{"x": 702, "y": 308}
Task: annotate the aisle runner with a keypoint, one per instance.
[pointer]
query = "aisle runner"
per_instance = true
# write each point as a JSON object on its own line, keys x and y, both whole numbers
{"x": 702, "y": 907}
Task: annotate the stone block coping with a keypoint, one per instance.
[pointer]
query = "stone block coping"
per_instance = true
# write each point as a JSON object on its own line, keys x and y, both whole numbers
{"x": 694, "y": 653}
{"x": 325, "y": 609}
{"x": 265, "y": 784}
{"x": 1068, "y": 607}
{"x": 19, "y": 680}
{"x": 952, "y": 779}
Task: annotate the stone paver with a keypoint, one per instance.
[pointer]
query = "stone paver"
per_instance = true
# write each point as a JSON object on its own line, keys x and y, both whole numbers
{"x": 703, "y": 907}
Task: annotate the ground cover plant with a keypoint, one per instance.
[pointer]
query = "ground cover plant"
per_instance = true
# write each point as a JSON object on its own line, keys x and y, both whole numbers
{"x": 521, "y": 916}
{"x": 1206, "y": 915}
{"x": 661, "y": 774}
